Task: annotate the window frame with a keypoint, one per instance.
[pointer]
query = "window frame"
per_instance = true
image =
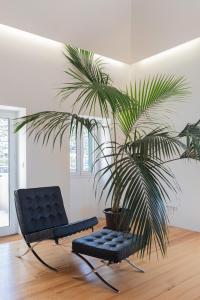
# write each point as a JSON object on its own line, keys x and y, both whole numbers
{"x": 79, "y": 159}
{"x": 79, "y": 152}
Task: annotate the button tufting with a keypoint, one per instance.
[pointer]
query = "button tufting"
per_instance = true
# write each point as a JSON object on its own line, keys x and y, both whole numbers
{"x": 89, "y": 240}
{"x": 42, "y": 209}
{"x": 107, "y": 245}
{"x": 108, "y": 239}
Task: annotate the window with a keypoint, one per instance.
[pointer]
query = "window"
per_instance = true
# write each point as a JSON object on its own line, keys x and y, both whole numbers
{"x": 4, "y": 172}
{"x": 81, "y": 152}
{"x": 82, "y": 149}
{"x": 87, "y": 146}
{"x": 8, "y": 170}
{"x": 73, "y": 150}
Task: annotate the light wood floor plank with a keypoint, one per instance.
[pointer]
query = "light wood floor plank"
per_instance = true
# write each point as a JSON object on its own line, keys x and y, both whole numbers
{"x": 172, "y": 278}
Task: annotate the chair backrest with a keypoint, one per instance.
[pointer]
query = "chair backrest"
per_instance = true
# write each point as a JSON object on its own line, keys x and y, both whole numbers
{"x": 39, "y": 209}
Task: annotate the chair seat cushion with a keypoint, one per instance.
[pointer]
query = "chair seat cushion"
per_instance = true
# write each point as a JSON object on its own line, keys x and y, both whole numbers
{"x": 61, "y": 231}
{"x": 75, "y": 227}
{"x": 106, "y": 244}
{"x": 38, "y": 236}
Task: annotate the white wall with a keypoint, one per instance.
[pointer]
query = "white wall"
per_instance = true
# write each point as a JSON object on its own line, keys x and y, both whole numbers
{"x": 182, "y": 60}
{"x": 31, "y": 69}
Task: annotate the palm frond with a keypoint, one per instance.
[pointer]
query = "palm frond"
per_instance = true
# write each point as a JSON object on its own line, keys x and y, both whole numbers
{"x": 86, "y": 65}
{"x": 158, "y": 144}
{"x": 191, "y": 133}
{"x": 91, "y": 84}
{"x": 47, "y": 124}
{"x": 138, "y": 176}
{"x": 141, "y": 185}
{"x": 148, "y": 95}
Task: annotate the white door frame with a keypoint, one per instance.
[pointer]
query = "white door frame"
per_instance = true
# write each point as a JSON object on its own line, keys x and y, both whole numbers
{"x": 13, "y": 166}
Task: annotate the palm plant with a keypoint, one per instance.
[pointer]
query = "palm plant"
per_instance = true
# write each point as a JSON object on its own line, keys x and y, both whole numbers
{"x": 139, "y": 180}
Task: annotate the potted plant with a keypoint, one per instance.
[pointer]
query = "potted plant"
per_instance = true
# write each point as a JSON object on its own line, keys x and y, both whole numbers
{"x": 138, "y": 177}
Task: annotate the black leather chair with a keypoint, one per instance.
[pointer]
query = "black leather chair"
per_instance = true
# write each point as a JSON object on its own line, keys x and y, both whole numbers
{"x": 41, "y": 215}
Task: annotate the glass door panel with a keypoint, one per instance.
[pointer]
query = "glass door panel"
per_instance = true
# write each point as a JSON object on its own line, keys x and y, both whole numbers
{"x": 8, "y": 167}
{"x": 4, "y": 173}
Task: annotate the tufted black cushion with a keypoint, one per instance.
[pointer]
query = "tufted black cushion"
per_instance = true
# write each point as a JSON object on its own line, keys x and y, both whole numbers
{"x": 75, "y": 227}
{"x": 39, "y": 209}
{"x": 61, "y": 231}
{"x": 106, "y": 244}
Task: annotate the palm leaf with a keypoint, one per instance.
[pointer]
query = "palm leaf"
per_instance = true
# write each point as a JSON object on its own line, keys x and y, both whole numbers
{"x": 191, "y": 133}
{"x": 142, "y": 189}
{"x": 159, "y": 144}
{"x": 138, "y": 176}
{"x": 148, "y": 95}
{"x": 46, "y": 124}
{"x": 93, "y": 87}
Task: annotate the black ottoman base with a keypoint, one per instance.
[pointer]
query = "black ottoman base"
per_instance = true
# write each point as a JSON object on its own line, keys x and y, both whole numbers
{"x": 109, "y": 246}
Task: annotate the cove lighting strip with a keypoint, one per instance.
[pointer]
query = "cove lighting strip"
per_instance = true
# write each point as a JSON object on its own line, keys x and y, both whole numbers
{"x": 25, "y": 36}
{"x": 183, "y": 48}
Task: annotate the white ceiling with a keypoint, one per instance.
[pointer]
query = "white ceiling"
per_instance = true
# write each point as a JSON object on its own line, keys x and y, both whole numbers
{"x": 126, "y": 30}
{"x": 158, "y": 25}
{"x": 102, "y": 26}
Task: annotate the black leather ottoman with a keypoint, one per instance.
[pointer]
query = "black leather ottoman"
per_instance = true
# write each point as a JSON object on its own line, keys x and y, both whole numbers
{"x": 109, "y": 246}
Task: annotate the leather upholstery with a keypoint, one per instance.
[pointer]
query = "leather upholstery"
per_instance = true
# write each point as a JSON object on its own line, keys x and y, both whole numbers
{"x": 40, "y": 208}
{"x": 61, "y": 231}
{"x": 41, "y": 215}
{"x": 106, "y": 244}
{"x": 75, "y": 227}
{"x": 38, "y": 236}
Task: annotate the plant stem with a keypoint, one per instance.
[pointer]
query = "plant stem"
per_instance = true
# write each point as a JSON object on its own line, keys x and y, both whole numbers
{"x": 116, "y": 197}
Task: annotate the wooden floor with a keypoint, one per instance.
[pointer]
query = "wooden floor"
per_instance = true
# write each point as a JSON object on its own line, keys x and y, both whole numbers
{"x": 176, "y": 277}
